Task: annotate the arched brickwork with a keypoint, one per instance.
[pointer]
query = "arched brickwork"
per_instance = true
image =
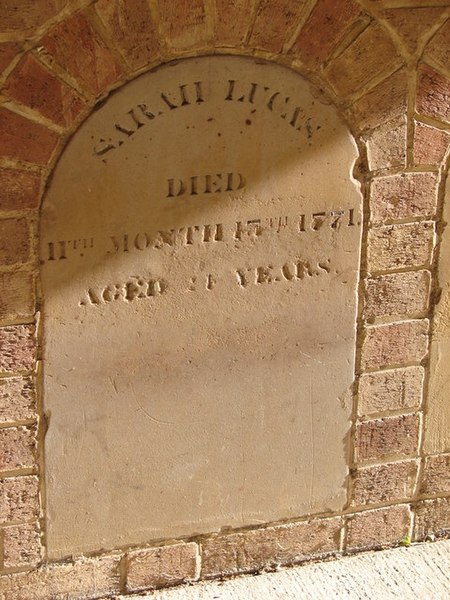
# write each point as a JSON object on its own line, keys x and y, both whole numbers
{"x": 385, "y": 66}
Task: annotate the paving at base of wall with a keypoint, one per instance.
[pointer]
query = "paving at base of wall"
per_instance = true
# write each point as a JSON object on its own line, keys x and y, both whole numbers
{"x": 415, "y": 573}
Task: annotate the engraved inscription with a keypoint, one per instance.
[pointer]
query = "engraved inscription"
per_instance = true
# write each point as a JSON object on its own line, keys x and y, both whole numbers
{"x": 205, "y": 184}
{"x": 135, "y": 288}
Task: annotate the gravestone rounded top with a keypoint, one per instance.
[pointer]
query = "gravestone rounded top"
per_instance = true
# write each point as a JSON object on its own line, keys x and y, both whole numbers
{"x": 200, "y": 254}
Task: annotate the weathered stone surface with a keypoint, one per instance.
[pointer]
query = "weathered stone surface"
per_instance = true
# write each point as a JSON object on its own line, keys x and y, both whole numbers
{"x": 432, "y": 516}
{"x": 388, "y": 437}
{"x": 21, "y": 546}
{"x": 395, "y": 344}
{"x": 31, "y": 84}
{"x": 16, "y": 295}
{"x": 77, "y": 47}
{"x": 350, "y": 72}
{"x": 17, "y": 348}
{"x": 400, "y": 246}
{"x": 211, "y": 291}
{"x": 430, "y": 144}
{"x": 436, "y": 475}
{"x": 437, "y": 418}
{"x": 24, "y": 140}
{"x": 390, "y": 390}
{"x": 398, "y": 294}
{"x": 86, "y": 579}
{"x": 20, "y": 189}
{"x": 284, "y": 544}
{"x": 19, "y": 499}
{"x": 17, "y": 399}
{"x": 132, "y": 28}
{"x": 384, "y": 483}
{"x": 324, "y": 29}
{"x": 403, "y": 196}
{"x": 275, "y": 21}
{"x": 17, "y": 448}
{"x": 167, "y": 565}
{"x": 379, "y": 527}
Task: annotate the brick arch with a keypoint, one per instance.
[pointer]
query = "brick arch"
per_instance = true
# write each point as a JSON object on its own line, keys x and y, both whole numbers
{"x": 81, "y": 53}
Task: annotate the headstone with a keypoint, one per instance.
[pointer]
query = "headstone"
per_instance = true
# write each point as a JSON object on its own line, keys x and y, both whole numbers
{"x": 200, "y": 254}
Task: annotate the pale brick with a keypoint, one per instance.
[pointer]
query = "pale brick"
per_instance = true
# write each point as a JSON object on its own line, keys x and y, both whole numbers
{"x": 397, "y": 294}
{"x": 412, "y": 24}
{"x": 395, "y": 389}
{"x": 232, "y": 20}
{"x": 166, "y": 565}
{"x": 384, "y": 483}
{"x": 395, "y": 344}
{"x": 86, "y": 579}
{"x": 439, "y": 46}
{"x": 389, "y": 437}
{"x": 14, "y": 241}
{"x": 400, "y": 246}
{"x": 433, "y": 94}
{"x": 436, "y": 475}
{"x": 403, "y": 196}
{"x": 275, "y": 21}
{"x": 19, "y": 499}
{"x": 430, "y": 144}
{"x": 432, "y": 517}
{"x": 132, "y": 28}
{"x": 386, "y": 147}
{"x": 17, "y": 399}
{"x": 356, "y": 66}
{"x": 380, "y": 527}
{"x": 17, "y": 448}
{"x": 21, "y": 546}
{"x": 16, "y": 295}
{"x": 283, "y": 544}
{"x": 183, "y": 23}
{"x": 17, "y": 348}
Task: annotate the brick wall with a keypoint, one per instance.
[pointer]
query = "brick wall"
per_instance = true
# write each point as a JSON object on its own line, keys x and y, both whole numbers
{"x": 385, "y": 66}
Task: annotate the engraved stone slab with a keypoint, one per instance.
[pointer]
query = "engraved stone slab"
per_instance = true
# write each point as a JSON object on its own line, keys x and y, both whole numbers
{"x": 200, "y": 253}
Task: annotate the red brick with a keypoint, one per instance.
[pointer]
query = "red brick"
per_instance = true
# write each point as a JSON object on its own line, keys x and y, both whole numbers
{"x": 14, "y": 241}
{"x": 8, "y": 51}
{"x": 232, "y": 21}
{"x": 387, "y": 438}
{"x": 395, "y": 389}
{"x": 412, "y": 24}
{"x": 17, "y": 448}
{"x": 21, "y": 546}
{"x": 166, "y": 565}
{"x": 430, "y": 144}
{"x": 17, "y": 348}
{"x": 275, "y": 21}
{"x": 324, "y": 29}
{"x": 403, "y": 196}
{"x": 16, "y": 295}
{"x": 432, "y": 517}
{"x": 385, "y": 102}
{"x": 183, "y": 23}
{"x": 17, "y": 399}
{"x": 400, "y": 246}
{"x": 367, "y": 57}
{"x": 132, "y": 28}
{"x": 78, "y": 48}
{"x": 381, "y": 527}
{"x": 20, "y": 189}
{"x": 398, "y": 294}
{"x": 386, "y": 146}
{"x": 87, "y": 578}
{"x": 19, "y": 16}
{"x": 436, "y": 475}
{"x": 439, "y": 46}
{"x": 433, "y": 94}
{"x": 24, "y": 140}
{"x": 19, "y": 499}
{"x": 31, "y": 84}
{"x": 384, "y": 483}
{"x": 282, "y": 544}
{"x": 395, "y": 344}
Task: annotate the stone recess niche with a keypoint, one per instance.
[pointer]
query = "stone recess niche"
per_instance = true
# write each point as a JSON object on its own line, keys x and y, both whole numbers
{"x": 200, "y": 242}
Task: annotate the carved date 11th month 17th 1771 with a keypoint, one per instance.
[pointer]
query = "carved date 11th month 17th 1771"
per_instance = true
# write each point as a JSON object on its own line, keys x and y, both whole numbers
{"x": 193, "y": 235}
